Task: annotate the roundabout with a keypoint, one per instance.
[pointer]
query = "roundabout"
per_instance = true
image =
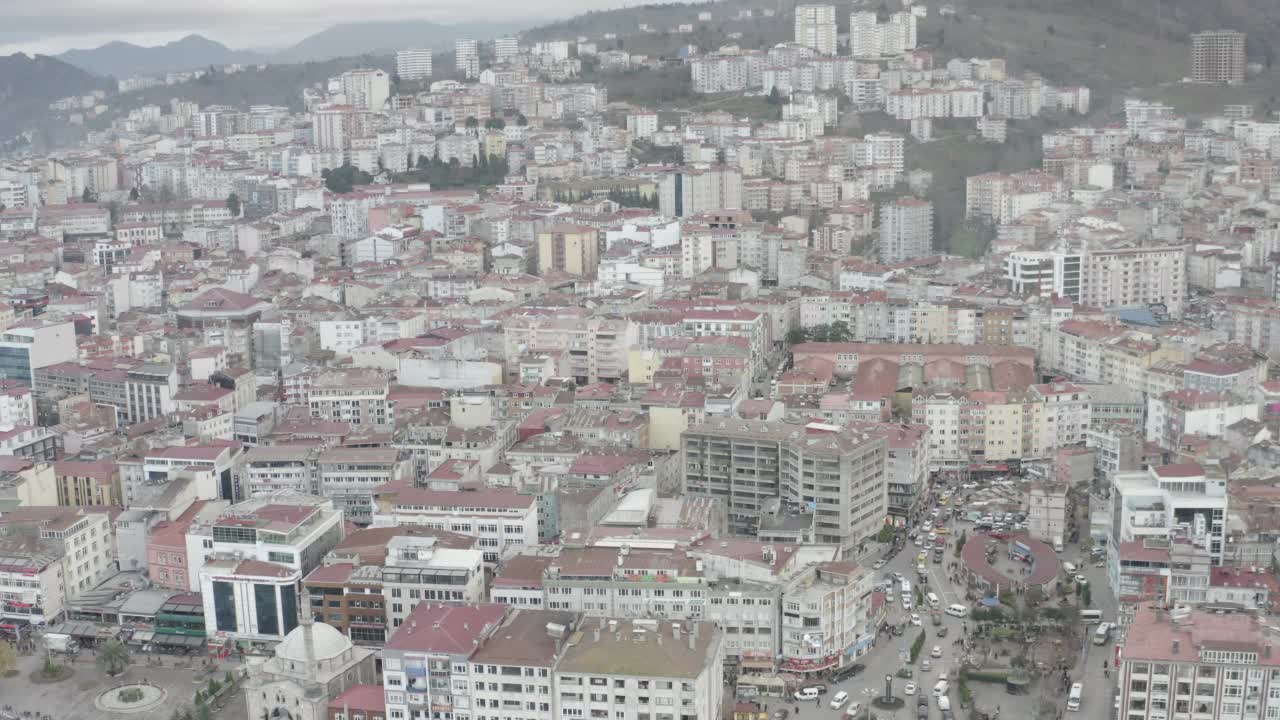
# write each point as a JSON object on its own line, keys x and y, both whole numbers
{"x": 132, "y": 698}
{"x": 887, "y": 700}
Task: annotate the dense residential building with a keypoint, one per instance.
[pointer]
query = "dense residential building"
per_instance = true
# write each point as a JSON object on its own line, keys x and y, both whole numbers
{"x": 906, "y": 230}
{"x": 816, "y": 27}
{"x": 413, "y": 64}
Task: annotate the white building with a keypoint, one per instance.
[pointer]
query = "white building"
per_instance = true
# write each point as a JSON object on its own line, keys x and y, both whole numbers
{"x": 1156, "y": 502}
{"x": 366, "y": 88}
{"x": 505, "y": 49}
{"x": 643, "y": 664}
{"x": 498, "y": 517}
{"x": 467, "y": 57}
{"x": 906, "y": 229}
{"x": 419, "y": 569}
{"x": 816, "y": 28}
{"x": 413, "y": 64}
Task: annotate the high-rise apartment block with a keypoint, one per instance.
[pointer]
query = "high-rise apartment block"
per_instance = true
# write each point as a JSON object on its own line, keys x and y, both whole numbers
{"x": 816, "y": 27}
{"x": 906, "y": 229}
{"x": 413, "y": 64}
{"x": 505, "y": 49}
{"x": 1217, "y": 56}
{"x": 467, "y": 58}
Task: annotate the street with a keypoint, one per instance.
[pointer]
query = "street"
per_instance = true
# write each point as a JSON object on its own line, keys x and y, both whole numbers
{"x": 887, "y": 656}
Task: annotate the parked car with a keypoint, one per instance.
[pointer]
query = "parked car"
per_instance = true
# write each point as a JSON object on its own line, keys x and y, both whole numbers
{"x": 878, "y": 564}
{"x": 915, "y": 620}
{"x": 936, "y": 652}
{"x": 847, "y": 672}
{"x": 909, "y": 689}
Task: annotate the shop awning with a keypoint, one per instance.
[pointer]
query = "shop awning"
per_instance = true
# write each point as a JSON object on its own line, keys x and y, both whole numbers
{"x": 142, "y": 636}
{"x": 80, "y": 628}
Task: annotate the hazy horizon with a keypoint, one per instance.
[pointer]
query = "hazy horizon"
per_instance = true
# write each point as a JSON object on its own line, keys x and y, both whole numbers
{"x": 53, "y": 27}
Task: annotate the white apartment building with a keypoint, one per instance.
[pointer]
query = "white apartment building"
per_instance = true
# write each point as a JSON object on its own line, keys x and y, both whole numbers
{"x": 349, "y": 475}
{"x": 467, "y": 57}
{"x": 289, "y": 529}
{"x": 357, "y": 397}
{"x": 906, "y": 229}
{"x": 1155, "y": 503}
{"x": 269, "y": 468}
{"x": 498, "y": 517}
{"x": 816, "y": 27}
{"x": 1136, "y": 276}
{"x": 1062, "y": 413}
{"x": 505, "y": 49}
{"x": 512, "y": 668}
{"x": 419, "y": 569}
{"x": 71, "y": 550}
{"x": 366, "y": 88}
{"x": 413, "y": 64}
{"x": 825, "y": 614}
{"x": 625, "y": 669}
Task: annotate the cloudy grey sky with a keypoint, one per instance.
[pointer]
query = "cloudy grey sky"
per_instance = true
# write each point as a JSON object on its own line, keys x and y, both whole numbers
{"x": 51, "y": 26}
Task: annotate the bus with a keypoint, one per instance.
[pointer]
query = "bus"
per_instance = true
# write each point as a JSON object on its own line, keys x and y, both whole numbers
{"x": 1102, "y": 634}
{"x": 1089, "y": 617}
{"x": 1073, "y": 699}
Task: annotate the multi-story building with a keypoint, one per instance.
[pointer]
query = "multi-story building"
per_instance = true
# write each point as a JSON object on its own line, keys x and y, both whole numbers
{"x": 692, "y": 191}
{"x": 359, "y": 397}
{"x": 88, "y": 483}
{"x": 505, "y": 49}
{"x": 573, "y": 249}
{"x": 824, "y": 615}
{"x": 349, "y": 476}
{"x": 839, "y": 475}
{"x": 641, "y": 664}
{"x": 467, "y": 57}
{"x": 149, "y": 391}
{"x": 426, "y": 666}
{"x": 419, "y": 569}
{"x": 1217, "y": 56}
{"x": 1048, "y": 511}
{"x": 816, "y": 28}
{"x": 512, "y": 668}
{"x": 413, "y": 64}
{"x": 1188, "y": 663}
{"x": 597, "y": 347}
{"x": 1177, "y": 414}
{"x": 51, "y": 555}
{"x": 499, "y": 517}
{"x": 32, "y": 345}
{"x": 906, "y": 229}
{"x": 1154, "y": 504}
{"x": 366, "y": 88}
{"x": 288, "y": 530}
{"x": 1136, "y": 276}
{"x": 281, "y": 467}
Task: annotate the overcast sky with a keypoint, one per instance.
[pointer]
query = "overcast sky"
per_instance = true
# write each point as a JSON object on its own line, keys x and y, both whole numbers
{"x": 51, "y": 26}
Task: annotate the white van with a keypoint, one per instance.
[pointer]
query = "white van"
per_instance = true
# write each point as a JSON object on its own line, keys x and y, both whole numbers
{"x": 944, "y": 702}
{"x": 933, "y": 600}
{"x": 940, "y": 689}
{"x": 957, "y": 611}
{"x": 839, "y": 700}
{"x": 809, "y": 693}
{"x": 1070, "y": 568}
{"x": 1073, "y": 699}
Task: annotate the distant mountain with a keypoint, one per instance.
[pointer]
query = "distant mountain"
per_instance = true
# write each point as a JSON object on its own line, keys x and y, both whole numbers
{"x": 122, "y": 59}
{"x": 193, "y": 52}
{"x": 380, "y": 38}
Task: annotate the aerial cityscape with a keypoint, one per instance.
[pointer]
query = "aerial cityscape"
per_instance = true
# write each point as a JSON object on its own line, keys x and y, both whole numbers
{"x": 739, "y": 360}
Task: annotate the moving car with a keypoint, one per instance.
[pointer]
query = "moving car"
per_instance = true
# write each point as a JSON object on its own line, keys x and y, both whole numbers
{"x": 853, "y": 710}
{"x": 809, "y": 693}
{"x": 909, "y": 689}
{"x": 839, "y": 699}
{"x": 925, "y": 665}
{"x": 915, "y": 620}
{"x": 936, "y": 652}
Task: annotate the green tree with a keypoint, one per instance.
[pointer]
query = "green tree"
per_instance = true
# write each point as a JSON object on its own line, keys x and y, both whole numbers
{"x": 8, "y": 658}
{"x": 775, "y": 97}
{"x": 203, "y": 712}
{"x": 133, "y": 194}
{"x": 960, "y": 542}
{"x": 113, "y": 657}
{"x": 1086, "y": 596}
{"x": 233, "y": 204}
{"x": 795, "y": 336}
{"x": 471, "y": 123}
{"x": 521, "y": 120}
{"x": 86, "y": 196}
{"x": 917, "y": 645}
{"x": 495, "y": 123}
{"x": 343, "y": 179}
